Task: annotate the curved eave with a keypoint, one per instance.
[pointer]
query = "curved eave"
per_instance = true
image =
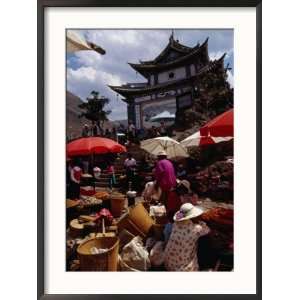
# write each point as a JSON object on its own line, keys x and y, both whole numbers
{"x": 120, "y": 90}
{"x": 129, "y": 92}
{"x": 145, "y": 69}
{"x": 172, "y": 45}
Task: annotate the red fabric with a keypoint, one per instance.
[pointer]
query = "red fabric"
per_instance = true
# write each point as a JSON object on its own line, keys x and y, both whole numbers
{"x": 221, "y": 126}
{"x": 173, "y": 202}
{"x": 206, "y": 140}
{"x": 93, "y": 145}
{"x": 85, "y": 192}
{"x": 106, "y": 215}
{"x": 77, "y": 173}
{"x": 110, "y": 169}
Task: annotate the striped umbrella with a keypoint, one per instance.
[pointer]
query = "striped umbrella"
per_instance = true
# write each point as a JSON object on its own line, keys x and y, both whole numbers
{"x": 219, "y": 129}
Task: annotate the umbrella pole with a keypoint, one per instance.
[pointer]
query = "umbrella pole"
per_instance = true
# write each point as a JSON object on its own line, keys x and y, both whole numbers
{"x": 92, "y": 167}
{"x": 103, "y": 226}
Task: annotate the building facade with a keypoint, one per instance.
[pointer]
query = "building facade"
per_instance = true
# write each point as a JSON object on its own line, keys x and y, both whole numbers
{"x": 172, "y": 82}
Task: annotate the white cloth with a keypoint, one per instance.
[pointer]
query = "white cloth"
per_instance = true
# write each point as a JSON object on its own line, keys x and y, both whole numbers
{"x": 130, "y": 163}
{"x": 150, "y": 192}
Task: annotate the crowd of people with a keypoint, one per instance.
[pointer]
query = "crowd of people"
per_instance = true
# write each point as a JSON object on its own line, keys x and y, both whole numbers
{"x": 96, "y": 130}
{"x": 168, "y": 188}
{"x": 78, "y": 167}
{"x": 124, "y": 134}
{"x": 182, "y": 244}
{"x": 169, "y": 185}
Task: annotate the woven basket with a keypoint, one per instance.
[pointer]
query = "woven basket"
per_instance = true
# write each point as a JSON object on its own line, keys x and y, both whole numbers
{"x": 140, "y": 217}
{"x": 125, "y": 223}
{"x": 125, "y": 237}
{"x": 71, "y": 203}
{"x": 117, "y": 205}
{"x": 107, "y": 261}
{"x": 76, "y": 229}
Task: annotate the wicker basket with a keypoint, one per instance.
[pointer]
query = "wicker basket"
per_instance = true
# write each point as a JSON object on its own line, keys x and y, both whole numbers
{"x": 125, "y": 237}
{"x": 117, "y": 203}
{"x": 140, "y": 217}
{"x": 76, "y": 229}
{"x": 125, "y": 223}
{"x": 107, "y": 261}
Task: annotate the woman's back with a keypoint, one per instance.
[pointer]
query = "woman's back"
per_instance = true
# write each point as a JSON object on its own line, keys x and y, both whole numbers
{"x": 181, "y": 250}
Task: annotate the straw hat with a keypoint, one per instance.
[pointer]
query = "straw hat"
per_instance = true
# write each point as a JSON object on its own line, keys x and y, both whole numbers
{"x": 186, "y": 184}
{"x": 187, "y": 211}
{"x": 162, "y": 153}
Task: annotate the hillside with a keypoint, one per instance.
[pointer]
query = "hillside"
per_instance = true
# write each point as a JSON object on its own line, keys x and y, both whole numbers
{"x": 74, "y": 124}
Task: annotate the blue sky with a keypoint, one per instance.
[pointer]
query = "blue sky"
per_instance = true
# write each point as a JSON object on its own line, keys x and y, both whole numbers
{"x": 87, "y": 70}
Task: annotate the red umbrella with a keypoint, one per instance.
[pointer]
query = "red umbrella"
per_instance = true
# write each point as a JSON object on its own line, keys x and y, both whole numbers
{"x": 220, "y": 126}
{"x": 217, "y": 130}
{"x": 93, "y": 145}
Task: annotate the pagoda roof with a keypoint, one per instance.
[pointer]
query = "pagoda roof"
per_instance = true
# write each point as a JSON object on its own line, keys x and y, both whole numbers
{"x": 129, "y": 90}
{"x": 160, "y": 63}
{"x": 172, "y": 45}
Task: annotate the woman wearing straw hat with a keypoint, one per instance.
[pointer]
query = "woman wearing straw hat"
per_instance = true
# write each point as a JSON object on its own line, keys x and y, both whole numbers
{"x": 181, "y": 249}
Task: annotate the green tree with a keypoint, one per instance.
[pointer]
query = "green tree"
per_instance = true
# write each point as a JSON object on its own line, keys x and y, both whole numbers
{"x": 94, "y": 108}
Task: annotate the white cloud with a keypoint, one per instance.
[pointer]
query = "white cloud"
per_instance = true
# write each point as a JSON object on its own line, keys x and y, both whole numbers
{"x": 230, "y": 79}
{"x": 83, "y": 73}
{"x": 87, "y": 70}
{"x": 215, "y": 55}
{"x": 91, "y": 75}
{"x": 85, "y": 79}
{"x": 89, "y": 59}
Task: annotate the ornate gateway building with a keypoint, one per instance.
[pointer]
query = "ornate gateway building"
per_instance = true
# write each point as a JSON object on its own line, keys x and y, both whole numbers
{"x": 176, "y": 81}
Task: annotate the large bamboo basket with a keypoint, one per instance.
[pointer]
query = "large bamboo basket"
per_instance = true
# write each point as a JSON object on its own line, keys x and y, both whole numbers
{"x": 107, "y": 261}
{"x": 140, "y": 217}
{"x": 125, "y": 223}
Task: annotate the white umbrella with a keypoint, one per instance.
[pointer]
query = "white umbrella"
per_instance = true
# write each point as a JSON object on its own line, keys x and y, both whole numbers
{"x": 172, "y": 147}
{"x": 76, "y": 43}
{"x": 164, "y": 116}
{"x": 192, "y": 140}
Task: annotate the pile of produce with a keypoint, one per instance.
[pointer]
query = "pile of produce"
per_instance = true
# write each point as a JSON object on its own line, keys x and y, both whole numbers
{"x": 102, "y": 195}
{"x": 87, "y": 191}
{"x": 216, "y": 181}
{"x": 220, "y": 218}
{"x": 90, "y": 201}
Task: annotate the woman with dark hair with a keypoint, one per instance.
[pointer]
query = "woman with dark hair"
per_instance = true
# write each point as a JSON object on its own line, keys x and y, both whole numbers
{"x": 75, "y": 176}
{"x": 130, "y": 167}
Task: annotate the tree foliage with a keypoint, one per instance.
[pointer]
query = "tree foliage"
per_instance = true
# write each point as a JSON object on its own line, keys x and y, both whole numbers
{"x": 212, "y": 97}
{"x": 93, "y": 109}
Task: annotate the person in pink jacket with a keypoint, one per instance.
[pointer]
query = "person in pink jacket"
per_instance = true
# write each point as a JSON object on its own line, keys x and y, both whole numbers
{"x": 165, "y": 175}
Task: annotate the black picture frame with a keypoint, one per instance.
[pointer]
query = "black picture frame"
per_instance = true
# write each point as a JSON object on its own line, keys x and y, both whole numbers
{"x": 42, "y": 4}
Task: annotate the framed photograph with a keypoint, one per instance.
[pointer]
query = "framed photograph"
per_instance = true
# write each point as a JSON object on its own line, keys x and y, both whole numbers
{"x": 149, "y": 149}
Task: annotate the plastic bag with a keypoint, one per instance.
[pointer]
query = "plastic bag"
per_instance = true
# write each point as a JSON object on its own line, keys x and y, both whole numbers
{"x": 157, "y": 255}
{"x": 134, "y": 256}
{"x": 157, "y": 211}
